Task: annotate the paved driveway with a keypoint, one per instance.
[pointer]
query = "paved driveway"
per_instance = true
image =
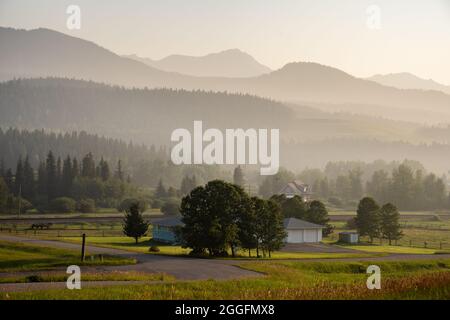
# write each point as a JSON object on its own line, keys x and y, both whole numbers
{"x": 181, "y": 268}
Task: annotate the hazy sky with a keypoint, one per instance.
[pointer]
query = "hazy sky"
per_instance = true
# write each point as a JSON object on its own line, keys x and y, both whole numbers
{"x": 414, "y": 34}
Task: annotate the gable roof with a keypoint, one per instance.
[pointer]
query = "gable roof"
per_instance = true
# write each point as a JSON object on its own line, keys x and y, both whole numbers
{"x": 295, "y": 224}
{"x": 297, "y": 187}
{"x": 168, "y": 222}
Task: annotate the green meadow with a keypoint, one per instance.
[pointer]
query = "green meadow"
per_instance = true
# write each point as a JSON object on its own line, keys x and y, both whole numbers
{"x": 286, "y": 280}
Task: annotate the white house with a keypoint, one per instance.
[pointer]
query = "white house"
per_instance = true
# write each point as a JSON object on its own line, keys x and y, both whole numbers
{"x": 297, "y": 188}
{"x": 300, "y": 231}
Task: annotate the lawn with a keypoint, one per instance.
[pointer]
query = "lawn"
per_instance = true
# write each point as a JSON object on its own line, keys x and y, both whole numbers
{"x": 391, "y": 249}
{"x": 22, "y": 257}
{"x": 55, "y": 276}
{"x": 144, "y": 244}
{"x": 286, "y": 280}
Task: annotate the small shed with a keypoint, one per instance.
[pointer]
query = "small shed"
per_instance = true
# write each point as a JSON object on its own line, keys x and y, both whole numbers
{"x": 300, "y": 231}
{"x": 349, "y": 237}
{"x": 164, "y": 230}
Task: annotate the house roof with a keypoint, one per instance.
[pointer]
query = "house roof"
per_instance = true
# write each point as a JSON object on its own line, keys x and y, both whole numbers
{"x": 295, "y": 224}
{"x": 297, "y": 187}
{"x": 168, "y": 222}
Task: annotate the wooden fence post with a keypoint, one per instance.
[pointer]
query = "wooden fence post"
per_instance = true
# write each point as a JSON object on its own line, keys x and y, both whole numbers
{"x": 83, "y": 247}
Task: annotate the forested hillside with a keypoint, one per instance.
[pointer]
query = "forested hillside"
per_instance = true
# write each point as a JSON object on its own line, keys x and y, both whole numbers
{"x": 141, "y": 115}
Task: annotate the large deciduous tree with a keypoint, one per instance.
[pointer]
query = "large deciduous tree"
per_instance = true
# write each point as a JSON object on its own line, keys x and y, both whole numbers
{"x": 368, "y": 218}
{"x": 389, "y": 222}
{"x": 211, "y": 215}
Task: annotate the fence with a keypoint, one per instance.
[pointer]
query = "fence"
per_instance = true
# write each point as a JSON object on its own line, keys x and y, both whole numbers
{"x": 64, "y": 232}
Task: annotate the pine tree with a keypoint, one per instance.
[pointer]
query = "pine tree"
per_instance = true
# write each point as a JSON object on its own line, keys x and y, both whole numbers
{"x": 88, "y": 166}
{"x": 104, "y": 170}
{"x": 160, "y": 190}
{"x": 389, "y": 224}
{"x": 134, "y": 225}
{"x": 51, "y": 177}
{"x": 19, "y": 177}
{"x": 188, "y": 184}
{"x": 29, "y": 184}
{"x": 42, "y": 179}
{"x": 67, "y": 177}
{"x": 238, "y": 176}
{"x": 4, "y": 192}
{"x": 119, "y": 172}
{"x": 9, "y": 180}
{"x": 2, "y": 168}
{"x": 58, "y": 177}
{"x": 75, "y": 168}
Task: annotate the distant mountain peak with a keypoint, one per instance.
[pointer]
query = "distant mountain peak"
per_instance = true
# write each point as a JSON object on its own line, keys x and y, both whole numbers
{"x": 407, "y": 80}
{"x": 231, "y": 63}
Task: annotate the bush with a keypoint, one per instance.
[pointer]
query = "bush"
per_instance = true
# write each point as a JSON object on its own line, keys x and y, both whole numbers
{"x": 157, "y": 203}
{"x": 351, "y": 224}
{"x": 12, "y": 205}
{"x": 63, "y": 205}
{"x": 127, "y": 203}
{"x": 34, "y": 278}
{"x": 171, "y": 207}
{"x": 154, "y": 249}
{"x": 86, "y": 206}
{"x": 335, "y": 201}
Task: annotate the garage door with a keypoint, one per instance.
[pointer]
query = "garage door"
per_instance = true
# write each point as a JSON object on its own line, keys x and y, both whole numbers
{"x": 295, "y": 236}
{"x": 311, "y": 236}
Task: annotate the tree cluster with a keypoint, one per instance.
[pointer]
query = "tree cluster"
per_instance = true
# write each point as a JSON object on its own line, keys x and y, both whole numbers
{"x": 376, "y": 222}
{"x": 221, "y": 217}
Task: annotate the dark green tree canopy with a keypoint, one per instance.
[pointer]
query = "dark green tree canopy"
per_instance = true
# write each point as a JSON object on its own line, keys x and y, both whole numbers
{"x": 134, "y": 225}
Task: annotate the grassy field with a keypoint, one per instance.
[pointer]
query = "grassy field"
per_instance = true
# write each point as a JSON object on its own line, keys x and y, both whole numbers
{"x": 23, "y": 257}
{"x": 286, "y": 280}
{"x": 144, "y": 244}
{"x": 87, "y": 276}
{"x": 392, "y": 249}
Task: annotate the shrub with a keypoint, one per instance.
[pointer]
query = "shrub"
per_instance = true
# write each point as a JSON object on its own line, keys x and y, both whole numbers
{"x": 154, "y": 249}
{"x": 335, "y": 201}
{"x": 127, "y": 203}
{"x": 63, "y": 205}
{"x": 12, "y": 205}
{"x": 34, "y": 278}
{"x": 171, "y": 207}
{"x": 351, "y": 223}
{"x": 157, "y": 203}
{"x": 86, "y": 205}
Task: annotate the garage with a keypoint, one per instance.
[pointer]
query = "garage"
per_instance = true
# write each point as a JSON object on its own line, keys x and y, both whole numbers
{"x": 300, "y": 231}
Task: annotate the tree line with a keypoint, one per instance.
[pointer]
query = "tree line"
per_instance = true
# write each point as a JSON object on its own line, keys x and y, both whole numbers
{"x": 63, "y": 185}
{"x": 342, "y": 184}
{"x": 221, "y": 217}
{"x": 377, "y": 222}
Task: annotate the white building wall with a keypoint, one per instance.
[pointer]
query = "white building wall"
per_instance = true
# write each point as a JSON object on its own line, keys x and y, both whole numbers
{"x": 304, "y": 236}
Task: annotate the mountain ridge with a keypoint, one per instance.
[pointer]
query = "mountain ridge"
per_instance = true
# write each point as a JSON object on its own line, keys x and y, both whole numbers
{"x": 45, "y": 53}
{"x": 231, "y": 63}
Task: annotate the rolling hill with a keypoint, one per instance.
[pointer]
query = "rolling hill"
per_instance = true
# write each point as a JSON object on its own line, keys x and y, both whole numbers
{"x": 406, "y": 80}
{"x": 229, "y": 63}
{"x": 42, "y": 53}
{"x": 309, "y": 137}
